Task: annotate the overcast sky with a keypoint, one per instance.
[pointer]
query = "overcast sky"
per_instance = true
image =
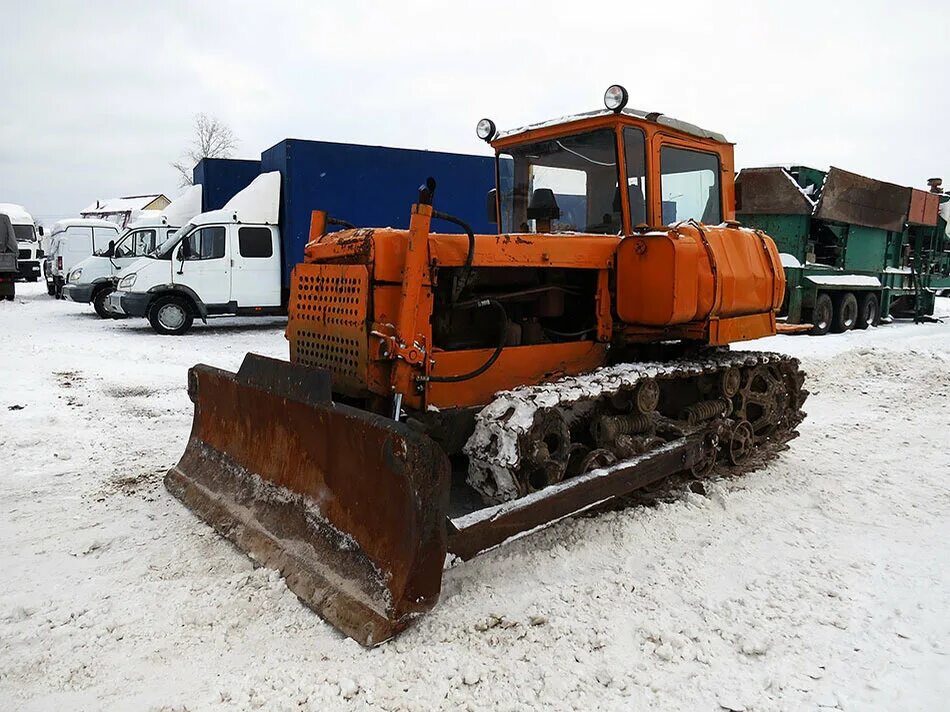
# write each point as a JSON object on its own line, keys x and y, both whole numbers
{"x": 100, "y": 96}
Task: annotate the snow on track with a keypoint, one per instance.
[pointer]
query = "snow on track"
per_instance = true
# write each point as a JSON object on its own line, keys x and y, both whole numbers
{"x": 819, "y": 581}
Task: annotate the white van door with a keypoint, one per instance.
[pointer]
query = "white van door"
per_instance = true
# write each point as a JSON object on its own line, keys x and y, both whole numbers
{"x": 207, "y": 269}
{"x": 75, "y": 246}
{"x": 255, "y": 266}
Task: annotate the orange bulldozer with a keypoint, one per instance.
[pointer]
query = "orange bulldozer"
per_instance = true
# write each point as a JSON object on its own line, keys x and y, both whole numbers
{"x": 446, "y": 392}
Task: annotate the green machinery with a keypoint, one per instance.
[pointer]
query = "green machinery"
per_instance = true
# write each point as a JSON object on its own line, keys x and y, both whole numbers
{"x": 854, "y": 249}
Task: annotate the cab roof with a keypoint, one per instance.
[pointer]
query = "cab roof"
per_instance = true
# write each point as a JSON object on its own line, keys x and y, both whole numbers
{"x": 82, "y": 222}
{"x": 654, "y": 116}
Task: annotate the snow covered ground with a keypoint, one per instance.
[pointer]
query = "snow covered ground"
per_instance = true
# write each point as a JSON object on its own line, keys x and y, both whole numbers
{"x": 819, "y": 582}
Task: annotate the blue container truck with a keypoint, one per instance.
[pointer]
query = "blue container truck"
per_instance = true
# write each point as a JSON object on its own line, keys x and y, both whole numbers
{"x": 221, "y": 178}
{"x": 237, "y": 260}
{"x": 372, "y": 186}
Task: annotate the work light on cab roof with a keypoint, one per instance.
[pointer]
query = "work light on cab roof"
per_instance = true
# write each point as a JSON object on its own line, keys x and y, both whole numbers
{"x": 615, "y": 98}
{"x": 485, "y": 129}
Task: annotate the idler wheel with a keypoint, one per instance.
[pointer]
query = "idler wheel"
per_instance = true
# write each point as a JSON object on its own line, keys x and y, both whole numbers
{"x": 741, "y": 442}
{"x": 646, "y": 396}
{"x": 729, "y": 381}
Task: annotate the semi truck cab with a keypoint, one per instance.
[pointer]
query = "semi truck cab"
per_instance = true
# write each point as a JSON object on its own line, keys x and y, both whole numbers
{"x": 29, "y": 252}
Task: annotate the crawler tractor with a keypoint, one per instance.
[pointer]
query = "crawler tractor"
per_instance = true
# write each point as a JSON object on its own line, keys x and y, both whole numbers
{"x": 448, "y": 391}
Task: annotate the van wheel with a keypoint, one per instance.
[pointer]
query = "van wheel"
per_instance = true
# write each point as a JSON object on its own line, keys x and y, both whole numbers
{"x": 170, "y": 315}
{"x": 869, "y": 311}
{"x": 821, "y": 315}
{"x": 99, "y": 303}
{"x": 846, "y": 313}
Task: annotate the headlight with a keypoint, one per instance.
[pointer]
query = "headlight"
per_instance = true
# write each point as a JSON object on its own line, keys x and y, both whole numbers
{"x": 485, "y": 129}
{"x": 127, "y": 281}
{"x": 75, "y": 275}
{"x": 615, "y": 98}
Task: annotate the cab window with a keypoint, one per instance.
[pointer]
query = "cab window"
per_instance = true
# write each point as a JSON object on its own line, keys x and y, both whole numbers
{"x": 255, "y": 242}
{"x": 689, "y": 186}
{"x": 563, "y": 184}
{"x": 634, "y": 144}
{"x": 206, "y": 243}
{"x": 137, "y": 244}
{"x": 102, "y": 236}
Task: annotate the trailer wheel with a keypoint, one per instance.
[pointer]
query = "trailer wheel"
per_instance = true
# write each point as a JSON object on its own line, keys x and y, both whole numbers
{"x": 869, "y": 311}
{"x": 170, "y": 315}
{"x": 50, "y": 289}
{"x": 821, "y": 315}
{"x": 846, "y": 313}
{"x": 99, "y": 303}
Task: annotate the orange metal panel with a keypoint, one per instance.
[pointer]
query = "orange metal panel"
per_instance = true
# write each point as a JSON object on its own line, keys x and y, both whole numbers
{"x": 741, "y": 328}
{"x": 521, "y": 250}
{"x": 327, "y": 321}
{"x": 923, "y": 208}
{"x": 517, "y": 366}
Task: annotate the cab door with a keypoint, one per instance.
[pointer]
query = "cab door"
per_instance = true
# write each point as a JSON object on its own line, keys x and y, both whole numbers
{"x": 255, "y": 266}
{"x": 201, "y": 263}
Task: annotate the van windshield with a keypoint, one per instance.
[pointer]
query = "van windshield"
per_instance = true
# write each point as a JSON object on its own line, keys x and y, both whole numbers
{"x": 163, "y": 251}
{"x": 24, "y": 233}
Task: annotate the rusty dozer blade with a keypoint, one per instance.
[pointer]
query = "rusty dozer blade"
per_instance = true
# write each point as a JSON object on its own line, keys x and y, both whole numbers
{"x": 349, "y": 506}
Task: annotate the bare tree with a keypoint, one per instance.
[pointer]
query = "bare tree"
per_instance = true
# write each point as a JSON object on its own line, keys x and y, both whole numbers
{"x": 213, "y": 139}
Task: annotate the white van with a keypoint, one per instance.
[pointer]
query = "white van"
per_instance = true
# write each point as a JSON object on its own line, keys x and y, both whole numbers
{"x": 94, "y": 278}
{"x": 29, "y": 252}
{"x": 225, "y": 261}
{"x": 73, "y": 240}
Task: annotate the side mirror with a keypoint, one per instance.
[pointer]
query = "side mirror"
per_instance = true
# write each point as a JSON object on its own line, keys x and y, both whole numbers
{"x": 40, "y": 230}
{"x": 111, "y": 251}
{"x": 184, "y": 252}
{"x": 491, "y": 206}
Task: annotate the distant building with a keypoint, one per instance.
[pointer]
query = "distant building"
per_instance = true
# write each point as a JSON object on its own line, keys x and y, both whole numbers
{"x": 122, "y": 211}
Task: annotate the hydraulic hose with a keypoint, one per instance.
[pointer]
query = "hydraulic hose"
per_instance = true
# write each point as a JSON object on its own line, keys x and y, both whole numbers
{"x": 341, "y": 223}
{"x": 502, "y": 337}
{"x": 467, "y": 269}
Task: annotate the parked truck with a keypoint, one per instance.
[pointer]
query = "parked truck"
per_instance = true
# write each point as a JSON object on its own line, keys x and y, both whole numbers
{"x": 847, "y": 243}
{"x": 29, "y": 252}
{"x": 94, "y": 278}
{"x": 238, "y": 260}
{"x": 215, "y": 180}
{"x": 8, "y": 258}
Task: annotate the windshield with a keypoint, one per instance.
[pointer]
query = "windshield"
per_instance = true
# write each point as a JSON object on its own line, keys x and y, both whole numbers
{"x": 24, "y": 233}
{"x": 165, "y": 249}
{"x": 562, "y": 185}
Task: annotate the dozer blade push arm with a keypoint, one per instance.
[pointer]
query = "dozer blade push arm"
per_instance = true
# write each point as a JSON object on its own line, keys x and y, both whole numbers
{"x": 349, "y": 506}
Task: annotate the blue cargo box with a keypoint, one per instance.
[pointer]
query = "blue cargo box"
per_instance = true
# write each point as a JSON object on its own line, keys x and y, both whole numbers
{"x": 221, "y": 178}
{"x": 372, "y": 186}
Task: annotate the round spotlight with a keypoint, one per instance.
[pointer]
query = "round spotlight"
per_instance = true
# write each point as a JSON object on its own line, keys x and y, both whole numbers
{"x": 615, "y": 98}
{"x": 485, "y": 129}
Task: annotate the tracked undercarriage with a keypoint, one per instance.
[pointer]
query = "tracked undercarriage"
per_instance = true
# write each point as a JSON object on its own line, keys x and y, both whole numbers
{"x": 531, "y": 438}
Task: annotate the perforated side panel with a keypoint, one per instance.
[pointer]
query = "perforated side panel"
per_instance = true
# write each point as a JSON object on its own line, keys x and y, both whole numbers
{"x": 327, "y": 326}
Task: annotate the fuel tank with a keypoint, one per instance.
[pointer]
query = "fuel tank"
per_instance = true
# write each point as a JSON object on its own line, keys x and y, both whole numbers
{"x": 692, "y": 272}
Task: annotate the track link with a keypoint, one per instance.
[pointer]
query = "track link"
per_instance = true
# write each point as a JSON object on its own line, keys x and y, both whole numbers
{"x": 529, "y": 438}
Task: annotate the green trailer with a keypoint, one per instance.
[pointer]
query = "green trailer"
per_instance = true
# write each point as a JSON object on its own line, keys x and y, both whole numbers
{"x": 851, "y": 245}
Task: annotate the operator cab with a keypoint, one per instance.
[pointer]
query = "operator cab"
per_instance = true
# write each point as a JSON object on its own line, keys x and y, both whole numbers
{"x": 565, "y": 176}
